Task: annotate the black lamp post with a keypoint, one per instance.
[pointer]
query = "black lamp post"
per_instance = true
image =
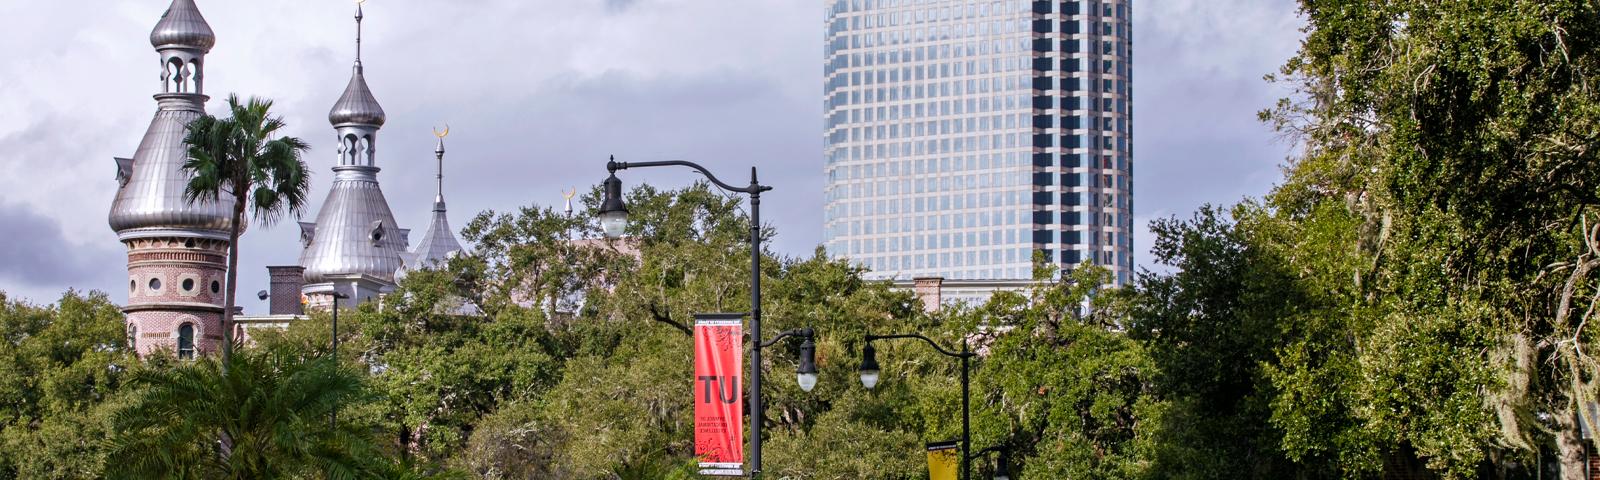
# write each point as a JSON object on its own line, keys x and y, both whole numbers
{"x": 333, "y": 417}
{"x": 336, "y": 296}
{"x": 1002, "y": 466}
{"x": 614, "y": 219}
{"x": 870, "y": 374}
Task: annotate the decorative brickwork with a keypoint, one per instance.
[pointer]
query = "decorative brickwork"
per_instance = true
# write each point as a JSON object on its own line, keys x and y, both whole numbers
{"x": 174, "y": 281}
{"x": 158, "y": 330}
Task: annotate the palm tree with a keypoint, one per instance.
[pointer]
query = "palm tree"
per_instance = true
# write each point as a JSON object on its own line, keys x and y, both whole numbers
{"x": 268, "y": 417}
{"x": 239, "y": 156}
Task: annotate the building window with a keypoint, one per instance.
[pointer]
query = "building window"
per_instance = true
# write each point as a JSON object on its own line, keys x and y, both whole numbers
{"x": 188, "y": 284}
{"x": 133, "y": 337}
{"x": 155, "y": 284}
{"x": 216, "y": 287}
{"x": 186, "y": 341}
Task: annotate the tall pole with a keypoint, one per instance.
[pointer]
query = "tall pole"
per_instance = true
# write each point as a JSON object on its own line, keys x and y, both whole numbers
{"x": 333, "y": 417}
{"x": 756, "y": 413}
{"x": 754, "y": 190}
{"x": 869, "y": 369}
{"x": 966, "y": 415}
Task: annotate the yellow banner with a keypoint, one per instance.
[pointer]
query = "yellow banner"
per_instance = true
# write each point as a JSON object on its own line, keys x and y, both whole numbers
{"x": 944, "y": 460}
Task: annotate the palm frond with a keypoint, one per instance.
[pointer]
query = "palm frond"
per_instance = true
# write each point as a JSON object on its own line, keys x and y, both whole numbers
{"x": 272, "y": 408}
{"x": 285, "y": 180}
{"x": 238, "y": 154}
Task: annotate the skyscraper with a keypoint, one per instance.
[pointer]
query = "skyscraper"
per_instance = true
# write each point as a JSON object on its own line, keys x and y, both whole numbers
{"x": 963, "y": 136}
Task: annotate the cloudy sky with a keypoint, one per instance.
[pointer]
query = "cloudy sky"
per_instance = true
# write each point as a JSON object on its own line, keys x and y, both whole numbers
{"x": 538, "y": 93}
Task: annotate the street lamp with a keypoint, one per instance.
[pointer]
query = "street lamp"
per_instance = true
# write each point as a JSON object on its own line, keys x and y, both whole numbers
{"x": 613, "y": 213}
{"x": 806, "y": 375}
{"x": 869, "y": 367}
{"x": 614, "y": 219}
{"x": 1002, "y": 466}
{"x": 336, "y": 296}
{"x": 870, "y": 373}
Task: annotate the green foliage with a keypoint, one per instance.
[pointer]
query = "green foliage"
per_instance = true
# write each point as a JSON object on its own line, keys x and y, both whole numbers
{"x": 270, "y": 416}
{"x": 1060, "y": 386}
{"x": 841, "y": 446}
{"x": 1412, "y": 299}
{"x": 619, "y": 407}
{"x": 61, "y": 366}
{"x": 539, "y": 357}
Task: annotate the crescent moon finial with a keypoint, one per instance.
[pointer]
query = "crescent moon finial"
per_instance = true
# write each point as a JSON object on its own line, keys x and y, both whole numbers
{"x": 446, "y": 132}
{"x": 569, "y": 195}
{"x": 360, "y": 2}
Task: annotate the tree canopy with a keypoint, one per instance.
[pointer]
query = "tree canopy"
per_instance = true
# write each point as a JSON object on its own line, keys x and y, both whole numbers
{"x": 1411, "y": 301}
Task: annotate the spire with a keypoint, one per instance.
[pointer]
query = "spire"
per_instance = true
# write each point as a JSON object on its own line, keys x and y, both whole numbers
{"x": 438, "y": 201}
{"x": 359, "y": 17}
{"x": 183, "y": 38}
{"x": 355, "y": 238}
{"x": 357, "y": 106}
{"x": 439, "y": 242}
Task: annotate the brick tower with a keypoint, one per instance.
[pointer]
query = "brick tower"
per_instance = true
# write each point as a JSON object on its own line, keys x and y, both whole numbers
{"x": 177, "y": 250}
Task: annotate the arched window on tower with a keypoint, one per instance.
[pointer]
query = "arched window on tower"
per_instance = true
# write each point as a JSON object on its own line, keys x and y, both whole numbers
{"x": 366, "y": 150}
{"x": 178, "y": 76}
{"x": 195, "y": 70}
{"x": 186, "y": 341}
{"x": 349, "y": 151}
{"x": 133, "y": 337}
{"x": 166, "y": 76}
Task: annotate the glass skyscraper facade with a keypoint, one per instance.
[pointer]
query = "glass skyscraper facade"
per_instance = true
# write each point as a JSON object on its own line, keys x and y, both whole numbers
{"x": 963, "y": 136}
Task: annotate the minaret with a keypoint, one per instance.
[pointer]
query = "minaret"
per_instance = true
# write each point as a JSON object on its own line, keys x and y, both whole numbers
{"x": 439, "y": 242}
{"x": 177, "y": 250}
{"x": 355, "y": 247}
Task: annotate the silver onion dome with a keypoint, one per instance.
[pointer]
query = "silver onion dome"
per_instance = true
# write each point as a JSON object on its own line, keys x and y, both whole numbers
{"x": 355, "y": 233}
{"x": 151, "y": 199}
{"x": 357, "y": 106}
{"x": 183, "y": 27}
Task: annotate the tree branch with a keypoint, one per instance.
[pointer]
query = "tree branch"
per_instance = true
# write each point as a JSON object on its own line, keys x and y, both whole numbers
{"x": 655, "y": 314}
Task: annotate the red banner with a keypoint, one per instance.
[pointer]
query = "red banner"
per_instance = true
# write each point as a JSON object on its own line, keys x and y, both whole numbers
{"x": 719, "y": 393}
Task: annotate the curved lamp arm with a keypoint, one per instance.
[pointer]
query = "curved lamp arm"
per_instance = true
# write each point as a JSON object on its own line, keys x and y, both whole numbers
{"x": 981, "y": 453}
{"x": 798, "y": 332}
{"x": 935, "y": 346}
{"x": 613, "y": 165}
